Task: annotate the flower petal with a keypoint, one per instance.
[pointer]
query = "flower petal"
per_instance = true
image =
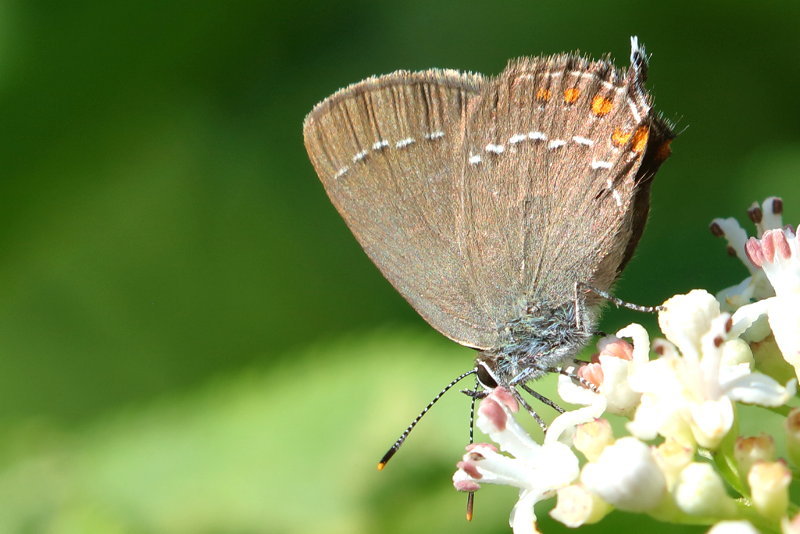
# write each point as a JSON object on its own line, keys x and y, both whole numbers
{"x": 736, "y": 237}
{"x": 574, "y": 393}
{"x": 523, "y": 519}
{"x": 641, "y": 342}
{"x": 569, "y": 420}
{"x": 621, "y": 399}
{"x": 749, "y": 316}
{"x": 784, "y": 318}
{"x": 496, "y": 421}
{"x": 711, "y": 421}
{"x": 627, "y": 476}
{"x": 685, "y": 318}
{"x": 755, "y": 388}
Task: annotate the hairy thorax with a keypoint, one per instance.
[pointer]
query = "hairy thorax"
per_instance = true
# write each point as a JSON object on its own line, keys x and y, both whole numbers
{"x": 540, "y": 341}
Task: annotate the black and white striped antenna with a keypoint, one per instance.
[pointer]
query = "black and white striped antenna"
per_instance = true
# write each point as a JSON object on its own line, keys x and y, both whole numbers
{"x": 393, "y": 449}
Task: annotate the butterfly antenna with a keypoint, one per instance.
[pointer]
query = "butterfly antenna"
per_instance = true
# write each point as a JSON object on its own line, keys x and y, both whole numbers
{"x": 393, "y": 449}
{"x": 471, "y": 494}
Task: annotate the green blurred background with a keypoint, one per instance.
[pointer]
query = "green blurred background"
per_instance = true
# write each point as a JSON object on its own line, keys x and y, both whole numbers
{"x": 190, "y": 339}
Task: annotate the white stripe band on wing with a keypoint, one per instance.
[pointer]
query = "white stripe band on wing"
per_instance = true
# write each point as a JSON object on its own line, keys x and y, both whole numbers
{"x": 496, "y": 149}
{"x": 404, "y": 142}
{"x": 600, "y": 164}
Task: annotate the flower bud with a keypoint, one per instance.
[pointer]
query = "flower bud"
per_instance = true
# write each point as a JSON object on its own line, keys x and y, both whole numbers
{"x": 592, "y": 437}
{"x": 700, "y": 492}
{"x": 769, "y": 488}
{"x": 748, "y": 451}
{"x": 769, "y": 359}
{"x": 737, "y": 351}
{"x": 626, "y": 476}
{"x": 672, "y": 456}
{"x": 578, "y": 506}
{"x": 711, "y": 421}
{"x": 792, "y": 426}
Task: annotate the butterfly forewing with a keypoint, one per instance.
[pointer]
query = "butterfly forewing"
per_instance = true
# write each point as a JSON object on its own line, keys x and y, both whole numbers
{"x": 382, "y": 149}
{"x": 550, "y": 159}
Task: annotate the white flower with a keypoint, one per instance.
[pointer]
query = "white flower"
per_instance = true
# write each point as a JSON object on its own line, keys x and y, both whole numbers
{"x": 627, "y": 476}
{"x": 608, "y": 374}
{"x": 689, "y": 396}
{"x": 686, "y": 318}
{"x": 537, "y": 470}
{"x": 777, "y": 253}
{"x": 754, "y": 287}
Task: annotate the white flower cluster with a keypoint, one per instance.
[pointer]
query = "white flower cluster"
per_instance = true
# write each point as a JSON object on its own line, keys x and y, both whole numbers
{"x": 683, "y": 460}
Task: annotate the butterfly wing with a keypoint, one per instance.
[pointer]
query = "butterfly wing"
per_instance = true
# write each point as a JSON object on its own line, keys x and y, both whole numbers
{"x": 557, "y": 161}
{"x": 382, "y": 148}
{"x": 477, "y": 198}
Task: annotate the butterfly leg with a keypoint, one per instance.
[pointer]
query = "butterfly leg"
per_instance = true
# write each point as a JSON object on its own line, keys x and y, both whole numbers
{"x": 611, "y": 298}
{"x": 574, "y": 376}
{"x": 530, "y": 410}
{"x": 541, "y": 398}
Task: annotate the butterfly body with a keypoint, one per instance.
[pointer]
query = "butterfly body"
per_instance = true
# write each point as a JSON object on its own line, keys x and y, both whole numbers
{"x": 535, "y": 344}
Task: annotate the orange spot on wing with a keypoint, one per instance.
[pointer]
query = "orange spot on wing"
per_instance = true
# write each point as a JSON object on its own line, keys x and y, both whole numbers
{"x": 601, "y": 105}
{"x": 571, "y": 94}
{"x": 640, "y": 139}
{"x": 543, "y": 94}
{"x": 620, "y": 137}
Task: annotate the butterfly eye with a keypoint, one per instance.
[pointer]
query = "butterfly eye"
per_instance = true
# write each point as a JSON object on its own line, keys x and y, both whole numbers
{"x": 485, "y": 377}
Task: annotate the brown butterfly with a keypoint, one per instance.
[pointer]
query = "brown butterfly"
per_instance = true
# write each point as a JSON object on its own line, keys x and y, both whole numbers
{"x": 503, "y": 209}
